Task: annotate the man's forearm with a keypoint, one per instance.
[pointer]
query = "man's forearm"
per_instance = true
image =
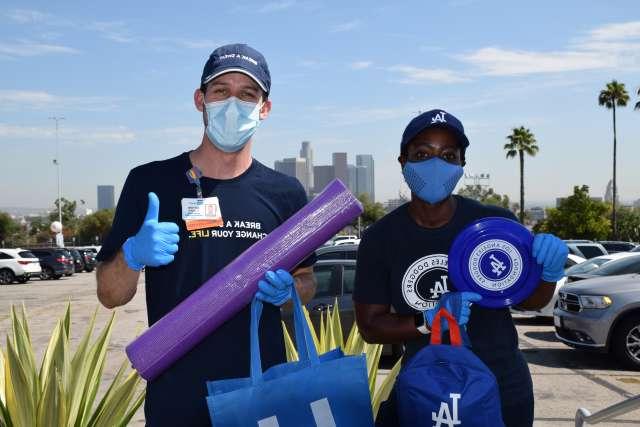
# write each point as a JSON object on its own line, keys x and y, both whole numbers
{"x": 117, "y": 283}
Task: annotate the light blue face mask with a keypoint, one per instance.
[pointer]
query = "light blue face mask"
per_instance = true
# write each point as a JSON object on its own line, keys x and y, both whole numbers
{"x": 231, "y": 123}
{"x": 432, "y": 180}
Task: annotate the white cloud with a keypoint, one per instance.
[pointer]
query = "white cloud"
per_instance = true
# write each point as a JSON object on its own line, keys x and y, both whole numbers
{"x": 277, "y": 6}
{"x": 416, "y": 75}
{"x": 360, "y": 65}
{"x": 17, "y": 100}
{"x": 27, "y": 48}
{"x": 346, "y": 26}
{"x": 619, "y": 31}
{"x": 310, "y": 63}
{"x": 27, "y": 16}
{"x": 606, "y": 47}
{"x": 68, "y": 134}
{"x": 502, "y": 62}
{"x": 116, "y": 31}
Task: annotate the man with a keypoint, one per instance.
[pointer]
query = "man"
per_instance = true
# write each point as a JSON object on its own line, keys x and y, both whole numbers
{"x": 402, "y": 263}
{"x": 185, "y": 218}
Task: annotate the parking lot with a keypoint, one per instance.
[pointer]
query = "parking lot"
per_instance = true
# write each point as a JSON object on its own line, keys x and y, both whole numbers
{"x": 564, "y": 379}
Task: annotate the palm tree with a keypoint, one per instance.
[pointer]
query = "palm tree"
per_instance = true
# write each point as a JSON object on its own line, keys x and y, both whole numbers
{"x": 615, "y": 94}
{"x": 521, "y": 142}
{"x": 637, "y": 107}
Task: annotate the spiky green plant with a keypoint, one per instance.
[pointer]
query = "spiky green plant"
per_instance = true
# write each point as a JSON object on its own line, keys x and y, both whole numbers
{"x": 330, "y": 337}
{"x": 62, "y": 392}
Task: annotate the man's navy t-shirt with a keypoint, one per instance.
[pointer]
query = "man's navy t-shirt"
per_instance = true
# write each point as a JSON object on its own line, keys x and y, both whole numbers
{"x": 252, "y": 205}
{"x": 405, "y": 266}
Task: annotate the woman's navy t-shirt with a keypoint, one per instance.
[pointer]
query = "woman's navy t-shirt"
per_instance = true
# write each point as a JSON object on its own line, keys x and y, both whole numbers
{"x": 252, "y": 205}
{"x": 406, "y": 266}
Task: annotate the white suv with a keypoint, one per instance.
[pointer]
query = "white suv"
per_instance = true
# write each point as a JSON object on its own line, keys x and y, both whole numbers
{"x": 17, "y": 264}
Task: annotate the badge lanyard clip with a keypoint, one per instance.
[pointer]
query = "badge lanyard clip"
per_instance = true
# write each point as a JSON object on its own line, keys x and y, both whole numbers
{"x": 193, "y": 175}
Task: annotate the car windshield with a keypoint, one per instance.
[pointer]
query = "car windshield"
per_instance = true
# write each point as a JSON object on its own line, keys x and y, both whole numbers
{"x": 586, "y": 266}
{"x": 26, "y": 254}
{"x": 620, "y": 266}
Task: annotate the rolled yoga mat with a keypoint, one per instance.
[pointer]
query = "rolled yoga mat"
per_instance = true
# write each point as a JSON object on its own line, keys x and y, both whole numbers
{"x": 232, "y": 288}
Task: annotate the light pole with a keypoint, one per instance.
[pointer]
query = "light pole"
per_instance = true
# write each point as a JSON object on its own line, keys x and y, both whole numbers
{"x": 56, "y": 162}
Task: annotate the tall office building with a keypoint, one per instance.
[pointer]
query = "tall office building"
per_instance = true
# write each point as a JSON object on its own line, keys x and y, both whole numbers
{"x": 306, "y": 153}
{"x": 353, "y": 179}
{"x": 106, "y": 199}
{"x": 322, "y": 175}
{"x": 362, "y": 178}
{"x": 341, "y": 170}
{"x": 366, "y": 184}
{"x": 294, "y": 167}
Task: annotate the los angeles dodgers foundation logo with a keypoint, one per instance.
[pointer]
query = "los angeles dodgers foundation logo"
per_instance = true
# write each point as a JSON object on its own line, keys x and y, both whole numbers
{"x": 495, "y": 265}
{"x": 447, "y": 416}
{"x": 425, "y": 281}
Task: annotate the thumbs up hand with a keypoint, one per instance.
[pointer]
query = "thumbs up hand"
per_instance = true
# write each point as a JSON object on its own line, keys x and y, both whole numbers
{"x": 155, "y": 243}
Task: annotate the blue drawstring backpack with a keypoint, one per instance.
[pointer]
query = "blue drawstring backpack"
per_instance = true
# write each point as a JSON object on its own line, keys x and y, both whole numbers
{"x": 447, "y": 385}
{"x": 331, "y": 390}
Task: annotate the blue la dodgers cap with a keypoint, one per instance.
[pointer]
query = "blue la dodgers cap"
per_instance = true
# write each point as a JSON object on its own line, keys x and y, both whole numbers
{"x": 434, "y": 118}
{"x": 239, "y": 58}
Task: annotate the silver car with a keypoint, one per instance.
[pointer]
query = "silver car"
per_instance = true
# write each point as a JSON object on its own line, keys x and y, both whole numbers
{"x": 602, "y": 314}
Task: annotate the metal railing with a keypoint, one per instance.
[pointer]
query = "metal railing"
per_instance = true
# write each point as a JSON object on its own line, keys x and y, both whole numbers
{"x": 620, "y": 408}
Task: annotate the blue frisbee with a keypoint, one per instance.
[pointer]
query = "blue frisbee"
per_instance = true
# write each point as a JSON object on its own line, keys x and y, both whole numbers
{"x": 493, "y": 257}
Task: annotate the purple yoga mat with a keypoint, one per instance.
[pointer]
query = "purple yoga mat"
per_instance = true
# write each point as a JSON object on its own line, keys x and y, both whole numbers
{"x": 233, "y": 287}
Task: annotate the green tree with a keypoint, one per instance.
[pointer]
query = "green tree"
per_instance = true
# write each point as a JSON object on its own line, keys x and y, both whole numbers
{"x": 637, "y": 107}
{"x": 485, "y": 195}
{"x": 96, "y": 224}
{"x": 629, "y": 224}
{"x": 7, "y": 227}
{"x": 69, "y": 217}
{"x": 521, "y": 142}
{"x": 614, "y": 94}
{"x": 577, "y": 217}
{"x": 372, "y": 212}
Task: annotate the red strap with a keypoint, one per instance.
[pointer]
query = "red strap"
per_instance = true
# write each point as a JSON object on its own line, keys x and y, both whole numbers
{"x": 454, "y": 329}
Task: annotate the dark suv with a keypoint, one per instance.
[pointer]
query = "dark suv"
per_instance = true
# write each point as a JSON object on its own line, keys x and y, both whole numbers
{"x": 89, "y": 259}
{"x": 335, "y": 279}
{"x": 78, "y": 261}
{"x": 55, "y": 262}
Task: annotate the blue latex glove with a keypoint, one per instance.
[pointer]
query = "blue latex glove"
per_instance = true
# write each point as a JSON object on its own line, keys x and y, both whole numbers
{"x": 456, "y": 303}
{"x": 550, "y": 252}
{"x": 277, "y": 288}
{"x": 155, "y": 243}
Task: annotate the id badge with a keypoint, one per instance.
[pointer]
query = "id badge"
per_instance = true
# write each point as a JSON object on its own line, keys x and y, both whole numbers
{"x": 201, "y": 213}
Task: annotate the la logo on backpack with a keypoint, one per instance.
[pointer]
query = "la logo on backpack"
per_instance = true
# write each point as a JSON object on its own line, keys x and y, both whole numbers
{"x": 447, "y": 385}
{"x": 444, "y": 415}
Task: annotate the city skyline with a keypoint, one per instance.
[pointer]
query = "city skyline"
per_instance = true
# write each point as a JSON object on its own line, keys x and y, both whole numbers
{"x": 348, "y": 77}
{"x": 360, "y": 178}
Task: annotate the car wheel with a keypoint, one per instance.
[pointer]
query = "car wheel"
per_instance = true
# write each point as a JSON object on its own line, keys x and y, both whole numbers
{"x": 626, "y": 342}
{"x": 6, "y": 277}
{"x": 46, "y": 273}
{"x": 57, "y": 276}
{"x": 88, "y": 269}
{"x": 22, "y": 279}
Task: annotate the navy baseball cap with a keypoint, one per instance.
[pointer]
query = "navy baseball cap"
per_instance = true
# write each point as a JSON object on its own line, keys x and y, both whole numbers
{"x": 434, "y": 118}
{"x": 239, "y": 58}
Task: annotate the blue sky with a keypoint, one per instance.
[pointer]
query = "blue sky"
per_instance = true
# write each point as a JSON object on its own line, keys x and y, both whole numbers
{"x": 347, "y": 76}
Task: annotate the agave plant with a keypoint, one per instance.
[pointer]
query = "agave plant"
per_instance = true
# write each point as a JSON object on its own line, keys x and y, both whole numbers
{"x": 330, "y": 337}
{"x": 62, "y": 392}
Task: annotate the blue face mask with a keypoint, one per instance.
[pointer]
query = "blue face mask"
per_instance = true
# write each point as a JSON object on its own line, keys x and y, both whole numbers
{"x": 432, "y": 180}
{"x": 231, "y": 123}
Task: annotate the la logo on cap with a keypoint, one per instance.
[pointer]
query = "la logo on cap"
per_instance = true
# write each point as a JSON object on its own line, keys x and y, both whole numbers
{"x": 439, "y": 118}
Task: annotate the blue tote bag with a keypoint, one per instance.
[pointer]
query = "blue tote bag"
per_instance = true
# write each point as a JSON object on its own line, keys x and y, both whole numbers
{"x": 447, "y": 385}
{"x": 327, "y": 391}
